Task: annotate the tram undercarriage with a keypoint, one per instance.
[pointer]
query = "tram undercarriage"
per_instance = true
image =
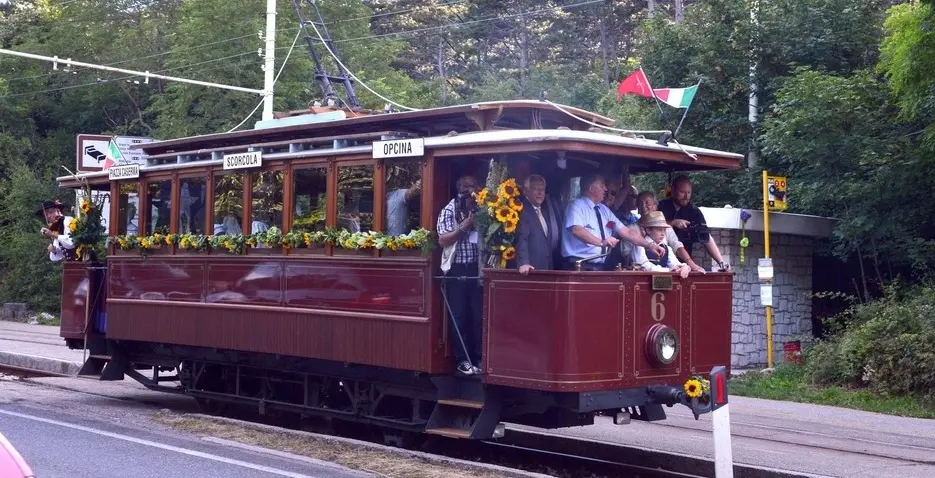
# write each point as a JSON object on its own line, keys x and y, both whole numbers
{"x": 230, "y": 383}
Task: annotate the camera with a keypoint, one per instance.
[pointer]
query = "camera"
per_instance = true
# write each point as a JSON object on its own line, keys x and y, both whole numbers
{"x": 698, "y": 232}
{"x": 465, "y": 204}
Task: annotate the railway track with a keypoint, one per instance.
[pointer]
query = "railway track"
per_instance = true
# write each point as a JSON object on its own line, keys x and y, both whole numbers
{"x": 519, "y": 449}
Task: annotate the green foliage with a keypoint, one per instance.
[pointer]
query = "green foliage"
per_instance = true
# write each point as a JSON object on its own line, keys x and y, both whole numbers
{"x": 888, "y": 346}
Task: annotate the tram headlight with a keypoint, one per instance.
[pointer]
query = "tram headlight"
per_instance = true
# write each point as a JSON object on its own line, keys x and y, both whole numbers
{"x": 662, "y": 344}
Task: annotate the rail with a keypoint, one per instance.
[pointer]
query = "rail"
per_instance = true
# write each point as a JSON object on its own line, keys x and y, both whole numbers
{"x": 451, "y": 316}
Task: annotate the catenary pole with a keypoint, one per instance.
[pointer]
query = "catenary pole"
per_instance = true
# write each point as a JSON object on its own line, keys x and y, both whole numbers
{"x": 270, "y": 64}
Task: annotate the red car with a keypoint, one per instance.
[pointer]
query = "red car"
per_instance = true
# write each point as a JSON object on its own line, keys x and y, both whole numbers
{"x": 12, "y": 464}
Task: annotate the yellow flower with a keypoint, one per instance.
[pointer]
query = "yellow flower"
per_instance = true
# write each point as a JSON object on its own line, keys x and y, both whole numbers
{"x": 72, "y": 226}
{"x": 508, "y": 188}
{"x": 693, "y": 388}
{"x": 85, "y": 206}
{"x": 512, "y": 218}
{"x": 509, "y": 253}
{"x": 516, "y": 204}
{"x": 481, "y": 197}
{"x": 503, "y": 214}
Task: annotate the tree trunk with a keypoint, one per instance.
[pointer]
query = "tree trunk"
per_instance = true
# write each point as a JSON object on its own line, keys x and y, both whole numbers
{"x": 863, "y": 274}
{"x": 443, "y": 88}
{"x": 651, "y": 6}
{"x": 679, "y": 11}
{"x": 523, "y": 55}
{"x": 605, "y": 45}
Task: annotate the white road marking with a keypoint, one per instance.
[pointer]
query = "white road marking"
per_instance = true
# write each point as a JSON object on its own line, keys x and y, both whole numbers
{"x": 153, "y": 444}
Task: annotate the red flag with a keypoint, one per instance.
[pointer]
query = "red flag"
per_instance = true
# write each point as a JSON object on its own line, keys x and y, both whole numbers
{"x": 637, "y": 84}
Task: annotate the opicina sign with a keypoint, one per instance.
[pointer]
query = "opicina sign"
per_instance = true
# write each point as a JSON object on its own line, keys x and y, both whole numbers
{"x": 399, "y": 148}
{"x": 250, "y": 159}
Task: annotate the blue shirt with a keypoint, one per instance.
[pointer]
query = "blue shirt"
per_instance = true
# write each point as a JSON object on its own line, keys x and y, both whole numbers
{"x": 580, "y": 212}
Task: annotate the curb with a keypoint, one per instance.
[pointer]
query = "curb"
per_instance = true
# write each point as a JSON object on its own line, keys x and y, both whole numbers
{"x": 36, "y": 363}
{"x": 426, "y": 457}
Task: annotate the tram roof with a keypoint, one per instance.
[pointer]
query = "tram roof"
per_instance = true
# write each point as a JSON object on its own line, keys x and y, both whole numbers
{"x": 448, "y": 131}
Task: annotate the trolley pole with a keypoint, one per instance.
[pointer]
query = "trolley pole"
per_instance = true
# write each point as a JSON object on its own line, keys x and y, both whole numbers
{"x": 270, "y": 64}
{"x": 769, "y": 308}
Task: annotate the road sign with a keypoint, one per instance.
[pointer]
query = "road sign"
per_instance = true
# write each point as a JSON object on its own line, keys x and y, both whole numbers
{"x": 92, "y": 151}
{"x": 777, "y": 193}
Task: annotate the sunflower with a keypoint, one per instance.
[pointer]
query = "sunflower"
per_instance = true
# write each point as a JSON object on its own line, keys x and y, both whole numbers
{"x": 72, "y": 226}
{"x": 481, "y": 196}
{"x": 508, "y": 188}
{"x": 85, "y": 206}
{"x": 503, "y": 214}
{"x": 693, "y": 388}
{"x": 509, "y": 253}
{"x": 516, "y": 204}
{"x": 509, "y": 227}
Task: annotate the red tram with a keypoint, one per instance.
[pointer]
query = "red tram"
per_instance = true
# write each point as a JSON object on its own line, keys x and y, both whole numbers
{"x": 229, "y": 265}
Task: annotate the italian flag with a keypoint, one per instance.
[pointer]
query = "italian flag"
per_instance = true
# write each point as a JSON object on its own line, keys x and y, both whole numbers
{"x": 677, "y": 97}
{"x": 114, "y": 156}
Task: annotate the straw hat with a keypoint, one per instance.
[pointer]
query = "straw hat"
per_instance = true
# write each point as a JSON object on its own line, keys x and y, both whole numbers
{"x": 653, "y": 219}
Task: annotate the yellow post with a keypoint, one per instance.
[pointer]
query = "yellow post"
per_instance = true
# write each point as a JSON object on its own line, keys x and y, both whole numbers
{"x": 769, "y": 308}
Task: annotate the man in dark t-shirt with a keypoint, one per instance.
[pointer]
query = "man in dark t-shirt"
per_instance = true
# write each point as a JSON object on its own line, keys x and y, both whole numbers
{"x": 688, "y": 221}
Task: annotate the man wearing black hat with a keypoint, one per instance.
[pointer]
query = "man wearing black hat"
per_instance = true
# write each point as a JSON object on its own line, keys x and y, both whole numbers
{"x": 58, "y": 230}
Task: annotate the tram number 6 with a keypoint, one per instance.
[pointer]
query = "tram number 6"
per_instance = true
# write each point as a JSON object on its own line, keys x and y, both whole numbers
{"x": 657, "y": 306}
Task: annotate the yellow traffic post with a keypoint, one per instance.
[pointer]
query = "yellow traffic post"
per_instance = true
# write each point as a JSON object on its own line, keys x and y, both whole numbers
{"x": 769, "y": 308}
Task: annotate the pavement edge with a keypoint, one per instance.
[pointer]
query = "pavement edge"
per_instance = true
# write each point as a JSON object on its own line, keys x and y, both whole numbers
{"x": 39, "y": 364}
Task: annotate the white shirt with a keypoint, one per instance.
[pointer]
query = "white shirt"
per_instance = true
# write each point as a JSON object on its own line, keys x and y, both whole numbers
{"x": 62, "y": 242}
{"x": 640, "y": 259}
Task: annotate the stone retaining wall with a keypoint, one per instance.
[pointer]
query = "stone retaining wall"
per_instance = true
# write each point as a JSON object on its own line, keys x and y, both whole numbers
{"x": 792, "y": 286}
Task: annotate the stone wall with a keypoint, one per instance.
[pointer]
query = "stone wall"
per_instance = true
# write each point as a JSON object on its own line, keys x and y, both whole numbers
{"x": 792, "y": 285}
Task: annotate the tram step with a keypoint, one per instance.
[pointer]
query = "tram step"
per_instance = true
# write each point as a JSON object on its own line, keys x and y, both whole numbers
{"x": 462, "y": 403}
{"x": 449, "y": 432}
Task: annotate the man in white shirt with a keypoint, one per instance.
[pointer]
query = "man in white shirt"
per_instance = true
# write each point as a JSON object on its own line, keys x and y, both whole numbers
{"x": 655, "y": 225}
{"x": 58, "y": 223}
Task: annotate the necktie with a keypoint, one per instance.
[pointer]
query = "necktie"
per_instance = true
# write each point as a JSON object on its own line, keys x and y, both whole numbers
{"x": 545, "y": 228}
{"x": 600, "y": 226}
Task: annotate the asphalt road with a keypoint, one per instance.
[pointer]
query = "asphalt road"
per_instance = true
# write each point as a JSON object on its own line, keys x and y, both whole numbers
{"x": 66, "y": 435}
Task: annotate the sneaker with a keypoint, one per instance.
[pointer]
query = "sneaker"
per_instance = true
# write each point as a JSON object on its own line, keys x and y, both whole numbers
{"x": 465, "y": 368}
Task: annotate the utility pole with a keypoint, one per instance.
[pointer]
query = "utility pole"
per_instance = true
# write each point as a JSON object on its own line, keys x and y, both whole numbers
{"x": 269, "y": 66}
{"x": 754, "y": 103}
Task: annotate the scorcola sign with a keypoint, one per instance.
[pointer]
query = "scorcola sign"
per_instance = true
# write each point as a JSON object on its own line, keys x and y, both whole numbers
{"x": 252, "y": 159}
{"x": 399, "y": 148}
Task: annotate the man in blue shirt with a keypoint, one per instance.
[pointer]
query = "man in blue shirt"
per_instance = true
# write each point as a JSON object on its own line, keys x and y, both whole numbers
{"x": 590, "y": 227}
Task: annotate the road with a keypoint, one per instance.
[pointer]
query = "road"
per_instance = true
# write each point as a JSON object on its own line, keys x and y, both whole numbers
{"x": 63, "y": 434}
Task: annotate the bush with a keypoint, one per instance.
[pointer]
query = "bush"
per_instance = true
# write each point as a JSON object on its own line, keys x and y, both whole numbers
{"x": 887, "y": 345}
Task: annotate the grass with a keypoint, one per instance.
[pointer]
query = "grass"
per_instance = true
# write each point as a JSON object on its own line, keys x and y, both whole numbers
{"x": 378, "y": 462}
{"x": 789, "y": 383}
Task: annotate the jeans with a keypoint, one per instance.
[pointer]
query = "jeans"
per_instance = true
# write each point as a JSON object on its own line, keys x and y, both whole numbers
{"x": 466, "y": 300}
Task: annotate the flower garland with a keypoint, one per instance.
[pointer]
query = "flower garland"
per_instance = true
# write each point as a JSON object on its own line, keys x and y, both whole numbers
{"x": 497, "y": 217}
{"x": 274, "y": 238}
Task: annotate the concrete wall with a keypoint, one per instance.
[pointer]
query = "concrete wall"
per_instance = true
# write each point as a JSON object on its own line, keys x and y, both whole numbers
{"x": 792, "y": 285}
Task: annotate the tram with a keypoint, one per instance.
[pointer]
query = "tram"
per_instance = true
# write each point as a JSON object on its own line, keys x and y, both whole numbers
{"x": 260, "y": 269}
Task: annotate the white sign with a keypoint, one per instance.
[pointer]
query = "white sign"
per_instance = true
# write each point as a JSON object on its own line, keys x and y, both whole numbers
{"x": 765, "y": 270}
{"x": 399, "y": 148}
{"x": 766, "y": 295}
{"x": 130, "y": 171}
{"x": 93, "y": 150}
{"x": 243, "y": 160}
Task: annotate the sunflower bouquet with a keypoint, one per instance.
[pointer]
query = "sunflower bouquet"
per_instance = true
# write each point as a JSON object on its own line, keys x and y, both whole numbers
{"x": 496, "y": 216}
{"x": 87, "y": 230}
{"x": 697, "y": 387}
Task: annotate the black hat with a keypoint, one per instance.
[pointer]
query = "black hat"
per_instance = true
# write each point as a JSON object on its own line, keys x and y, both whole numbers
{"x": 47, "y": 204}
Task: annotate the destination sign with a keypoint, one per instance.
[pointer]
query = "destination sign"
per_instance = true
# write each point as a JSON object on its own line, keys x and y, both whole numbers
{"x": 128, "y": 171}
{"x": 399, "y": 148}
{"x": 243, "y": 160}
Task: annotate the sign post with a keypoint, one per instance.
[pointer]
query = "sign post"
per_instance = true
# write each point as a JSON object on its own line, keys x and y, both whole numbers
{"x": 774, "y": 197}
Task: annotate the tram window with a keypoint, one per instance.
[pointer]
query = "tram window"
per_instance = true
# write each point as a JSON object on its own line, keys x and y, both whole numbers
{"x": 403, "y": 189}
{"x": 355, "y": 198}
{"x": 159, "y": 198}
{"x": 266, "y": 201}
{"x": 128, "y": 208}
{"x": 228, "y": 204}
{"x": 309, "y": 204}
{"x": 192, "y": 205}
